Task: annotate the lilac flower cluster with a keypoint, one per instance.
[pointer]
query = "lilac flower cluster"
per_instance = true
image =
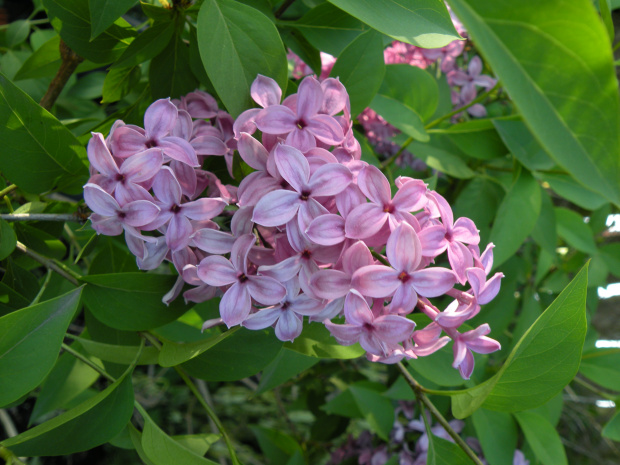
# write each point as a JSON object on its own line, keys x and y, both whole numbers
{"x": 315, "y": 232}
{"x": 371, "y": 450}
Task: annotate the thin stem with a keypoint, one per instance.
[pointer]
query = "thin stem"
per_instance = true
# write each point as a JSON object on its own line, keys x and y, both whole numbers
{"x": 510, "y": 170}
{"x": 381, "y": 258}
{"x": 192, "y": 387}
{"x": 594, "y": 389}
{"x": 8, "y": 190}
{"x": 41, "y": 217}
{"x": 280, "y": 11}
{"x": 388, "y": 161}
{"x": 70, "y": 61}
{"x": 50, "y": 264}
{"x": 88, "y": 362}
{"x": 421, "y": 397}
{"x": 48, "y": 276}
{"x": 458, "y": 110}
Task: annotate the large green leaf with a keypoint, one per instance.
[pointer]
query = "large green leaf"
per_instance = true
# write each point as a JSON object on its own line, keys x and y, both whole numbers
{"x": 119, "y": 353}
{"x": 170, "y": 73}
{"x": 90, "y": 424}
{"x": 236, "y": 43}
{"x": 612, "y": 429}
{"x": 360, "y": 68}
{"x": 30, "y": 340}
{"x": 542, "y": 438}
{"x": 516, "y": 217}
{"x": 161, "y": 449}
{"x": 103, "y": 13}
{"x": 567, "y": 187}
{"x": 439, "y": 154}
{"x": 243, "y": 354}
{"x": 522, "y": 144}
{"x": 541, "y": 364}
{"x": 285, "y": 366}
{"x": 68, "y": 379}
{"x": 477, "y": 138}
{"x": 425, "y": 23}
{"x": 277, "y": 446}
{"x": 71, "y": 18}
{"x": 400, "y": 116}
{"x": 575, "y": 119}
{"x": 603, "y": 367}
{"x": 8, "y": 240}
{"x": 173, "y": 353}
{"x": 574, "y": 230}
{"x": 131, "y": 301}
{"x": 412, "y": 86}
{"x": 329, "y": 28}
{"x": 33, "y": 137}
{"x": 147, "y": 45}
{"x": 444, "y": 452}
{"x": 497, "y": 434}
{"x": 119, "y": 82}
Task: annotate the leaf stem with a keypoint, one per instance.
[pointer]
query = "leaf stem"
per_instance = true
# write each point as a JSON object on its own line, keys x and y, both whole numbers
{"x": 70, "y": 61}
{"x": 192, "y": 387}
{"x": 41, "y": 217}
{"x": 8, "y": 190}
{"x": 381, "y": 258}
{"x": 418, "y": 390}
{"x": 594, "y": 389}
{"x": 70, "y": 276}
{"x": 88, "y": 362}
{"x": 48, "y": 276}
{"x": 280, "y": 11}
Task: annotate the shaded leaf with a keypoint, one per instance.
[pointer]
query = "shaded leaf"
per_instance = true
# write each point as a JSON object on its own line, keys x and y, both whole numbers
{"x": 542, "y": 438}
{"x": 522, "y": 144}
{"x": 438, "y": 155}
{"x": 424, "y": 23}
{"x": 498, "y": 436}
{"x": 147, "y": 45}
{"x": 612, "y": 428}
{"x": 316, "y": 341}
{"x": 8, "y": 239}
{"x": 170, "y": 74}
{"x": 119, "y": 353}
{"x": 277, "y": 447}
{"x": 285, "y": 366}
{"x": 103, "y": 13}
{"x": 412, "y": 86}
{"x": 400, "y": 116}
{"x": 30, "y": 340}
{"x": 568, "y": 188}
{"x": 119, "y": 82}
{"x": 173, "y": 353}
{"x": 574, "y": 230}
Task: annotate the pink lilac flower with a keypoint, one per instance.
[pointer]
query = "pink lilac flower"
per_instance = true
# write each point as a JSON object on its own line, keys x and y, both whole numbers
{"x": 236, "y": 303}
{"x": 476, "y": 341}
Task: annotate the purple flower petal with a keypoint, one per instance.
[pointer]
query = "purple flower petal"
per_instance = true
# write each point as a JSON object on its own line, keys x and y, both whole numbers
{"x": 376, "y": 281}
{"x": 208, "y": 145}
{"x": 329, "y": 180}
{"x": 263, "y": 318}
{"x": 433, "y": 282}
{"x": 140, "y": 213}
{"x": 213, "y": 241}
{"x": 235, "y": 305}
{"x": 411, "y": 196}
{"x": 252, "y": 152}
{"x": 326, "y": 129}
{"x": 374, "y": 185}
{"x": 464, "y": 230}
{"x": 126, "y": 142}
{"x": 289, "y": 326}
{"x": 160, "y": 118}
{"x": 276, "y": 208}
{"x": 142, "y": 166}
{"x": 100, "y": 157}
{"x": 403, "y": 249}
{"x": 276, "y": 119}
{"x": 309, "y": 97}
{"x": 265, "y": 290}
{"x": 265, "y": 91}
{"x": 393, "y": 328}
{"x": 365, "y": 220}
{"x": 330, "y": 284}
{"x": 404, "y": 299}
{"x": 203, "y": 209}
{"x": 215, "y": 270}
{"x": 180, "y": 150}
{"x": 326, "y": 230}
{"x": 293, "y": 166}
{"x": 100, "y": 201}
{"x": 345, "y": 334}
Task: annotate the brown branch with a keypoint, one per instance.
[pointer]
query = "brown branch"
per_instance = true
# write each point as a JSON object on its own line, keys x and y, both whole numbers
{"x": 70, "y": 61}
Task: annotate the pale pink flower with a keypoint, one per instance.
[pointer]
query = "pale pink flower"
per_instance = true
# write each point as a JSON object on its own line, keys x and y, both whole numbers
{"x": 474, "y": 340}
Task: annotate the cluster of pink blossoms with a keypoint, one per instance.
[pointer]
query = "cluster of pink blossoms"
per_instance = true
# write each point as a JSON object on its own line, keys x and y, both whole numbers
{"x": 315, "y": 232}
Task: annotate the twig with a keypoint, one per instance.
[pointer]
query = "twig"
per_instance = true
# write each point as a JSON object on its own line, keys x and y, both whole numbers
{"x": 48, "y": 276}
{"x": 48, "y": 263}
{"x": 192, "y": 387}
{"x": 280, "y": 11}
{"x": 70, "y": 61}
{"x": 7, "y": 423}
{"x": 88, "y": 362}
{"x": 41, "y": 217}
{"x": 421, "y": 397}
{"x": 380, "y": 257}
{"x": 8, "y": 190}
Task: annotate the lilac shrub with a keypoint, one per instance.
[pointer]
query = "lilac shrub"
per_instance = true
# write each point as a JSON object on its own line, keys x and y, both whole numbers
{"x": 314, "y": 231}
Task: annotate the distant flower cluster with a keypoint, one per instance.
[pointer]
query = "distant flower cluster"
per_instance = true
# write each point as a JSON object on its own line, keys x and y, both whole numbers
{"x": 368, "y": 449}
{"x": 314, "y": 231}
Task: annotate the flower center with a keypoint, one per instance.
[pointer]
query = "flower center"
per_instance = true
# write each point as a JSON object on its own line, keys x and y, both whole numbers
{"x": 121, "y": 215}
{"x": 388, "y": 208}
{"x": 404, "y": 277}
{"x": 306, "y": 254}
{"x": 301, "y": 123}
{"x": 242, "y": 278}
{"x": 150, "y": 143}
{"x": 120, "y": 178}
{"x": 305, "y": 195}
{"x": 175, "y": 209}
{"x": 368, "y": 327}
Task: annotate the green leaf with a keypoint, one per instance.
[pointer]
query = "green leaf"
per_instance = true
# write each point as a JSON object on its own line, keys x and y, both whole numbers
{"x": 132, "y": 301}
{"x": 612, "y": 428}
{"x": 147, "y": 45}
{"x": 477, "y": 138}
{"x": 574, "y": 230}
{"x": 435, "y": 368}
{"x": 8, "y": 239}
{"x": 542, "y": 438}
{"x": 103, "y": 13}
{"x": 444, "y": 452}
{"x": 119, "y": 353}
{"x": 170, "y": 74}
{"x": 68, "y": 379}
{"x": 277, "y": 447}
{"x": 44, "y": 62}
{"x": 316, "y": 341}
{"x": 71, "y": 18}
{"x": 424, "y": 23}
{"x": 197, "y": 443}
{"x": 412, "y": 86}
{"x": 479, "y": 201}
{"x": 17, "y": 32}
{"x": 119, "y": 82}
{"x": 602, "y": 367}
{"x": 30, "y": 340}
{"x": 362, "y": 400}
{"x": 607, "y": 21}
{"x": 544, "y": 360}
{"x": 173, "y": 353}
{"x": 576, "y": 120}
{"x": 400, "y": 116}
{"x": 285, "y": 366}
{"x": 516, "y": 217}
{"x": 522, "y": 144}
{"x": 238, "y": 42}
{"x": 497, "y": 433}
{"x": 161, "y": 449}
{"x": 611, "y": 255}
{"x": 295, "y": 40}
{"x": 568, "y": 188}
{"x": 545, "y": 231}
{"x": 34, "y": 137}
{"x": 439, "y": 156}
{"x": 90, "y": 424}
{"x": 360, "y": 68}
{"x": 243, "y": 354}
{"x": 329, "y": 28}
